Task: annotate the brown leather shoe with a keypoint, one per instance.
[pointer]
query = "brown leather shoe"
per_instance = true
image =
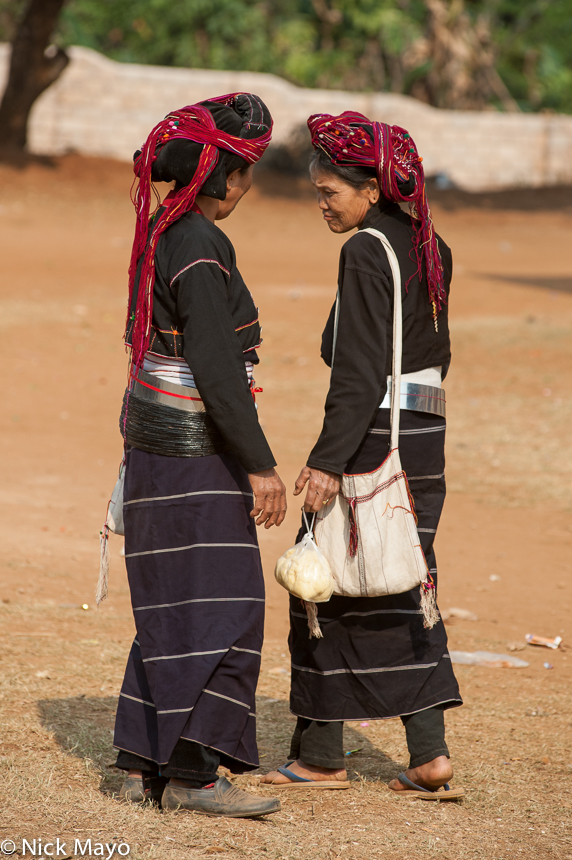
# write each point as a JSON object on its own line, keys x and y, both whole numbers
{"x": 138, "y": 790}
{"x": 223, "y": 799}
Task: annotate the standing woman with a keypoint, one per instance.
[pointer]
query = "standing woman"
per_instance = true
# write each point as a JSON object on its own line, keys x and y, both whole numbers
{"x": 198, "y": 471}
{"x": 376, "y": 660}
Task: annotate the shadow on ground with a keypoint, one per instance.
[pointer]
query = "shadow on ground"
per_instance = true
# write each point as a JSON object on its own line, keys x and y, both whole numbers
{"x": 558, "y": 284}
{"x": 276, "y": 178}
{"x": 83, "y": 727}
{"x": 550, "y": 198}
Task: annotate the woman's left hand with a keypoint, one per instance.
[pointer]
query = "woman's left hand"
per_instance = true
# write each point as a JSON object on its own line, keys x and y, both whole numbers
{"x": 323, "y": 487}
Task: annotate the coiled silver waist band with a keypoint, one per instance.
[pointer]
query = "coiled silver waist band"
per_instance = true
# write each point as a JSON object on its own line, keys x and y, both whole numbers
{"x": 170, "y": 419}
{"x": 419, "y": 398}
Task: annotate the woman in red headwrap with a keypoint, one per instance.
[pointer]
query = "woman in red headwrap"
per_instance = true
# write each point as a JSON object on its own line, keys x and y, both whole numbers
{"x": 376, "y": 659}
{"x": 198, "y": 471}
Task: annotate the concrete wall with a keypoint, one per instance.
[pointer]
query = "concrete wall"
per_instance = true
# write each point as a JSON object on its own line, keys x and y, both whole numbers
{"x": 100, "y": 107}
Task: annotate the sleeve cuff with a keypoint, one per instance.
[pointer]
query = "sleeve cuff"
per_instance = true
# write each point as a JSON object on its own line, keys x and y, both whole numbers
{"x": 252, "y": 466}
{"x": 336, "y": 468}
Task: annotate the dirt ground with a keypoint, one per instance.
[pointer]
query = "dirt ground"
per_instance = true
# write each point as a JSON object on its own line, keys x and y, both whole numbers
{"x": 503, "y": 546}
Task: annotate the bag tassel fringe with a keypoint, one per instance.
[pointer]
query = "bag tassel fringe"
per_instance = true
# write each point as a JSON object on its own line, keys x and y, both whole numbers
{"x": 429, "y": 603}
{"x": 101, "y": 590}
{"x": 352, "y": 514}
{"x": 313, "y": 623}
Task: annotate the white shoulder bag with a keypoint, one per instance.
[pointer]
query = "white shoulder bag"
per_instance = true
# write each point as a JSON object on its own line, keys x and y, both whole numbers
{"x": 369, "y": 533}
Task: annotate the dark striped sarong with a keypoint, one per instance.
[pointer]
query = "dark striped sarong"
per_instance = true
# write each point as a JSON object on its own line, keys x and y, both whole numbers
{"x": 197, "y": 593}
{"x": 376, "y": 659}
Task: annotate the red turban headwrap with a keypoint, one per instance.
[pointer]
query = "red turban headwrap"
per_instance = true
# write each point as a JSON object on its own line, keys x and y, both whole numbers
{"x": 194, "y": 123}
{"x": 352, "y": 138}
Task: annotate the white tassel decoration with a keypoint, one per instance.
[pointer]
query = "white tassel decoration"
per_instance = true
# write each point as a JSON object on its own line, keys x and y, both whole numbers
{"x": 429, "y": 604}
{"x": 101, "y": 590}
{"x": 313, "y": 623}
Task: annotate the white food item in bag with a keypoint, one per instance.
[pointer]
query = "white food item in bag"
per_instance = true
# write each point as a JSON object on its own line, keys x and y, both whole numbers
{"x": 305, "y": 572}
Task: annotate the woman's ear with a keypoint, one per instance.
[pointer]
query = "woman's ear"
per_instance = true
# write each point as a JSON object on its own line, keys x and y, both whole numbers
{"x": 232, "y": 179}
{"x": 373, "y": 191}
{"x": 239, "y": 181}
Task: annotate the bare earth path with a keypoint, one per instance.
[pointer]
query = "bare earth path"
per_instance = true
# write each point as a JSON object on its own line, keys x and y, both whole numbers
{"x": 66, "y": 236}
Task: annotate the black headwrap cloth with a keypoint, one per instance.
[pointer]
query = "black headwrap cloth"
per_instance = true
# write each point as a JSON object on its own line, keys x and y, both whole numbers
{"x": 178, "y": 160}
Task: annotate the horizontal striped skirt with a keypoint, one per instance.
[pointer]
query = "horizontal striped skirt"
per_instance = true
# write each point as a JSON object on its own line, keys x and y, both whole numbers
{"x": 197, "y": 593}
{"x": 376, "y": 659}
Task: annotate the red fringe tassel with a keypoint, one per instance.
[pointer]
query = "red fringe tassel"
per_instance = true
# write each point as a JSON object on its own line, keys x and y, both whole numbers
{"x": 353, "y": 544}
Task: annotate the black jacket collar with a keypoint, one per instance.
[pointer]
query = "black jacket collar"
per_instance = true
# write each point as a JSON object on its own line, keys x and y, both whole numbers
{"x": 375, "y": 216}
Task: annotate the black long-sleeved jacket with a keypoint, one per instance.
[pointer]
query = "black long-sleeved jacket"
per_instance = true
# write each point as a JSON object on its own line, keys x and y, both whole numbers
{"x": 203, "y": 312}
{"x": 364, "y": 345}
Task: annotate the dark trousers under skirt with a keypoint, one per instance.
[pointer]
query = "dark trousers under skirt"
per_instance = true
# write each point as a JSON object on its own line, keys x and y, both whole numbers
{"x": 197, "y": 593}
{"x": 193, "y": 762}
{"x": 376, "y": 659}
{"x": 322, "y": 744}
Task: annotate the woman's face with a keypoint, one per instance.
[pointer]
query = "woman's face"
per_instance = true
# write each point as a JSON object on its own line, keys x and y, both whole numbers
{"x": 343, "y": 206}
{"x": 237, "y": 184}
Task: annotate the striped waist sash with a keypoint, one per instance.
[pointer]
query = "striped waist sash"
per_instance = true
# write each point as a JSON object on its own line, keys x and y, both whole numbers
{"x": 151, "y": 388}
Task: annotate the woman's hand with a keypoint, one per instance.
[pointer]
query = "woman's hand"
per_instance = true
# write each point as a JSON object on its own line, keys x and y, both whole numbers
{"x": 269, "y": 498}
{"x": 323, "y": 487}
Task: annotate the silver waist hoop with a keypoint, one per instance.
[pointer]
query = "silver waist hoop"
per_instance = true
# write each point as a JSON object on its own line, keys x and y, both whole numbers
{"x": 149, "y": 387}
{"x": 420, "y": 398}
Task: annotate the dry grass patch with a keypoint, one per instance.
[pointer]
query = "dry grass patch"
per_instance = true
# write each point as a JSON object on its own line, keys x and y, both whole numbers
{"x": 58, "y": 779}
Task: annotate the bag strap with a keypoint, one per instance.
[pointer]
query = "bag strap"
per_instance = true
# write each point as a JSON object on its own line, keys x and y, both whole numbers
{"x": 397, "y": 334}
{"x": 336, "y": 322}
{"x": 309, "y": 529}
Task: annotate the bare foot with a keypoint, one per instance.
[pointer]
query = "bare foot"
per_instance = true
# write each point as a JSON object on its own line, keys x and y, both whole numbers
{"x": 307, "y": 771}
{"x": 431, "y": 775}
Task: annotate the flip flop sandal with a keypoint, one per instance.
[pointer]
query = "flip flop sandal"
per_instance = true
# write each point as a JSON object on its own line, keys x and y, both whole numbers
{"x": 438, "y": 794}
{"x": 301, "y": 782}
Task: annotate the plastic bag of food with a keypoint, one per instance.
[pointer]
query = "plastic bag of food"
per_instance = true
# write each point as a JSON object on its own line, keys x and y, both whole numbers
{"x": 304, "y": 571}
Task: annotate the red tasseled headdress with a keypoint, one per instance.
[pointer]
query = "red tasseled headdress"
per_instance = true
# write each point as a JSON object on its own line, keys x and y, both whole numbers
{"x": 352, "y": 138}
{"x": 195, "y": 123}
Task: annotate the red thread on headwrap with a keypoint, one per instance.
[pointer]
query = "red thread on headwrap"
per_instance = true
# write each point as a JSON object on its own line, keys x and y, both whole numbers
{"x": 195, "y": 123}
{"x": 393, "y": 154}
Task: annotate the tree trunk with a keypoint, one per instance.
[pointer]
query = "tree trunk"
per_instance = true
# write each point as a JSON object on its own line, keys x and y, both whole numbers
{"x": 328, "y": 18}
{"x": 463, "y": 74}
{"x": 33, "y": 67}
